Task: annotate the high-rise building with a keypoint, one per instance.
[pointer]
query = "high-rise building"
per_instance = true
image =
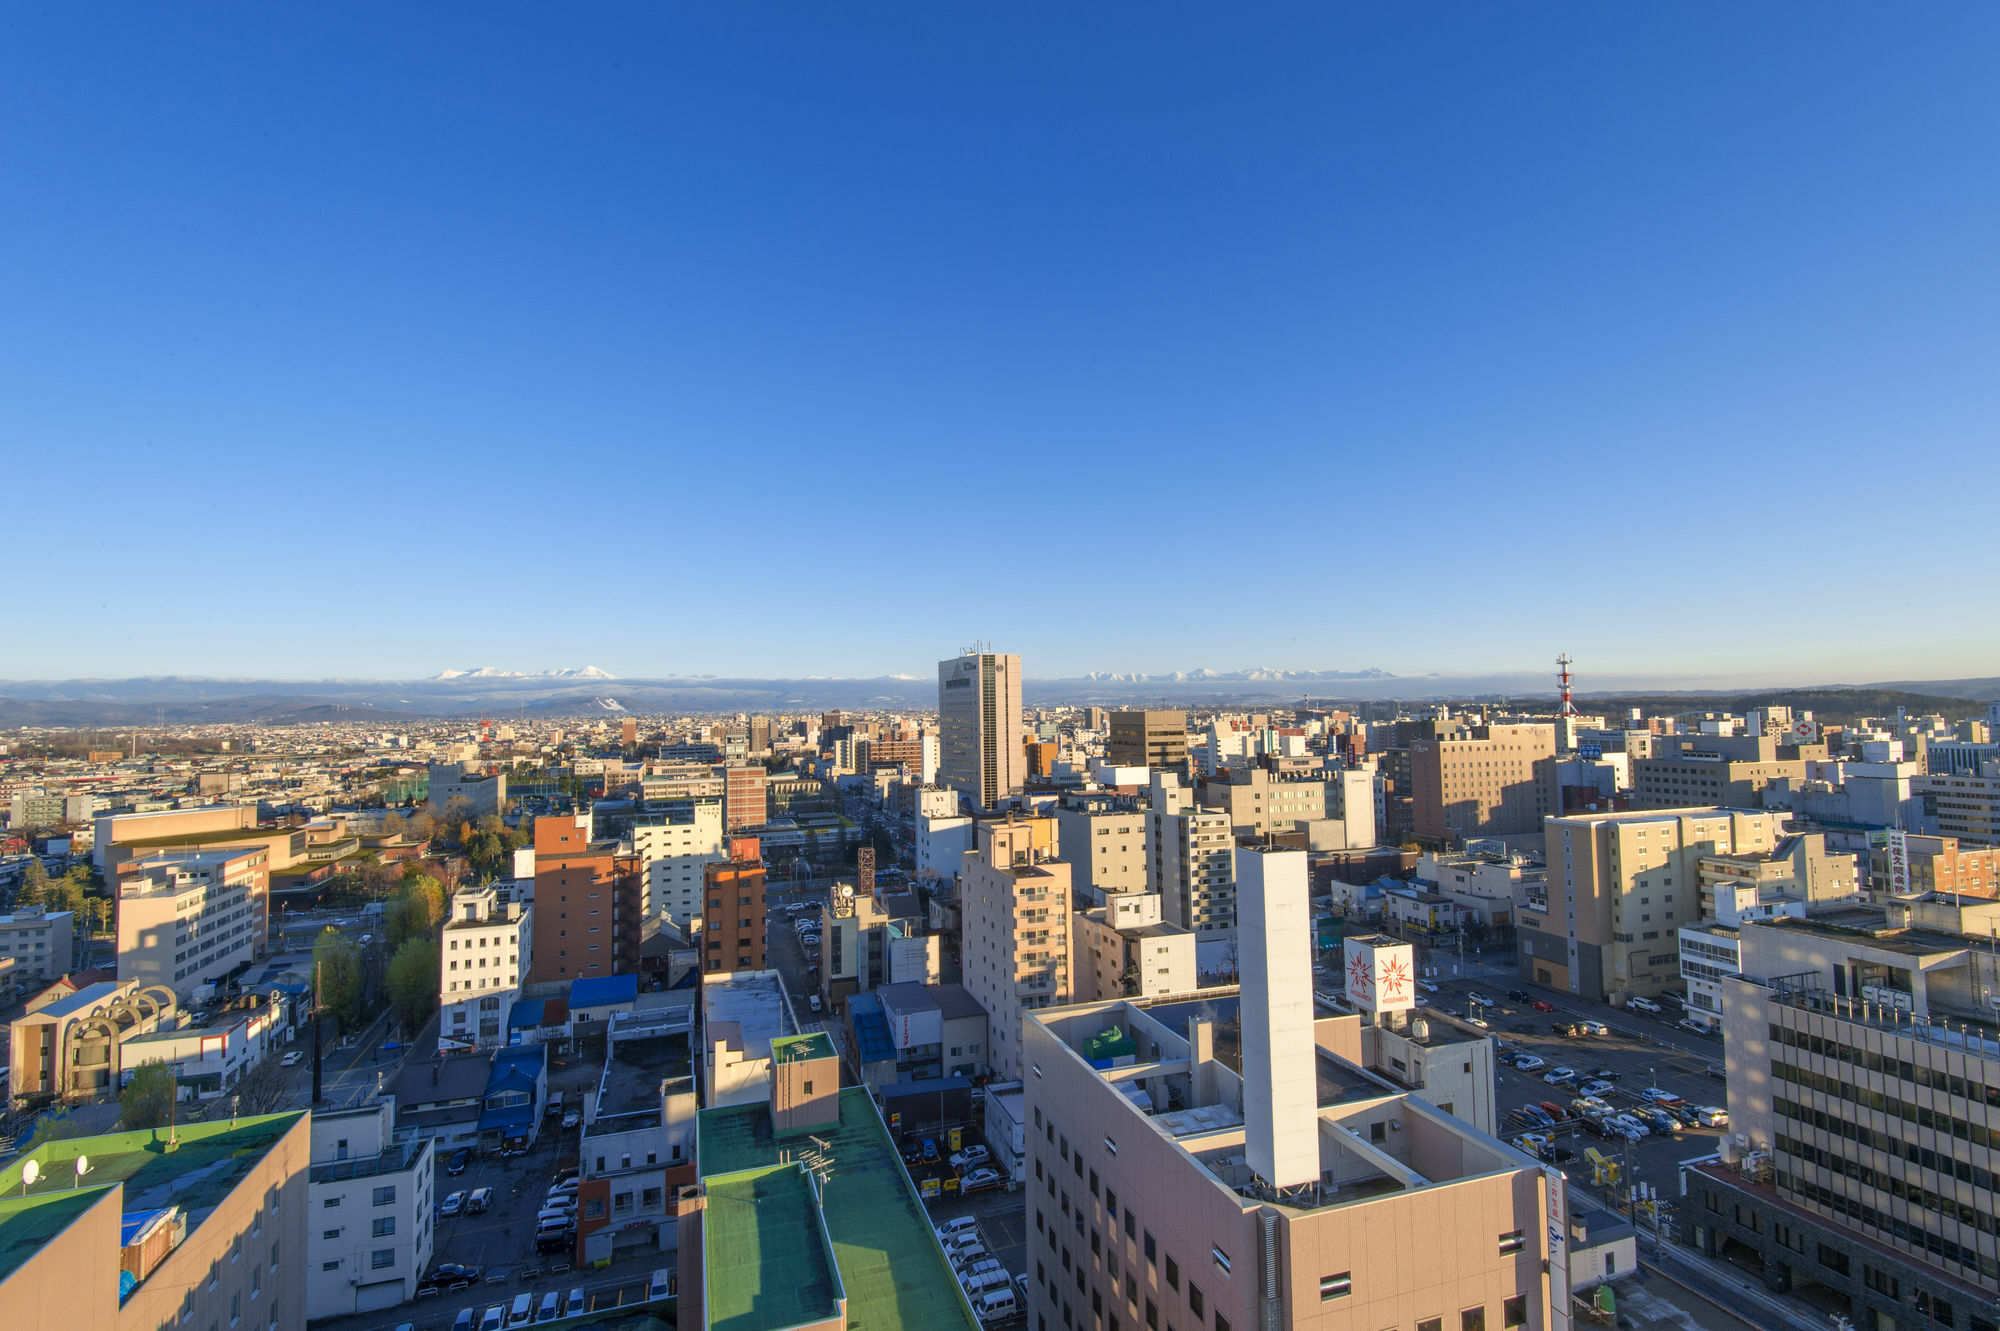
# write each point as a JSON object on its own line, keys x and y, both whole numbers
{"x": 1106, "y": 848}
{"x": 589, "y": 902}
{"x": 1254, "y": 1177}
{"x": 1620, "y": 885}
{"x": 1190, "y": 851}
{"x": 1148, "y": 739}
{"x": 120, "y": 1233}
{"x": 628, "y": 731}
{"x": 1481, "y": 781}
{"x": 732, "y": 921}
{"x": 979, "y": 724}
{"x": 1864, "y": 1079}
{"x": 1014, "y": 905}
{"x": 743, "y": 797}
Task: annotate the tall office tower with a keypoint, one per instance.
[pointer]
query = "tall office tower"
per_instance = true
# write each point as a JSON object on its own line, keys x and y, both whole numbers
{"x": 1864, "y": 1074}
{"x": 732, "y": 931}
{"x": 1148, "y": 739}
{"x": 979, "y": 715}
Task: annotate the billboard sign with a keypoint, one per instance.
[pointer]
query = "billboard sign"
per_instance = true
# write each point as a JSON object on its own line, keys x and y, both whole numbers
{"x": 1381, "y": 974}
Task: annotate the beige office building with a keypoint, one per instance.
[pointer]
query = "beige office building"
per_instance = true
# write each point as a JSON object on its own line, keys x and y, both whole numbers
{"x": 186, "y": 919}
{"x": 1258, "y": 800}
{"x": 1216, "y": 1164}
{"x": 1619, "y": 887}
{"x": 1863, "y": 1065}
{"x": 1482, "y": 781}
{"x": 1727, "y": 770}
{"x": 1106, "y": 850}
{"x": 979, "y": 727}
{"x": 1014, "y": 905}
{"x": 1965, "y": 807}
{"x": 1123, "y": 949}
{"x": 1148, "y": 739}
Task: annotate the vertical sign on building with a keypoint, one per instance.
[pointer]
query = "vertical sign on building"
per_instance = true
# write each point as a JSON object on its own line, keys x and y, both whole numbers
{"x": 1899, "y": 863}
{"x": 1553, "y": 1180}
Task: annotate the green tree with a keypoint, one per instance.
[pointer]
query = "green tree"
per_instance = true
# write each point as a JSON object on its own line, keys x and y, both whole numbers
{"x": 148, "y": 1098}
{"x": 34, "y": 883}
{"x": 337, "y": 961}
{"x": 413, "y": 982}
{"x": 53, "y": 1126}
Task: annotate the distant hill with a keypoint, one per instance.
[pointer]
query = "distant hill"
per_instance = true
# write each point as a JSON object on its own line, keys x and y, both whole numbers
{"x": 1829, "y": 706}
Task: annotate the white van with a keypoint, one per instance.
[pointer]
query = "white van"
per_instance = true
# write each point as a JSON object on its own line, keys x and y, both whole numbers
{"x": 551, "y": 1307}
{"x": 658, "y": 1289}
{"x": 957, "y": 1225}
{"x": 984, "y": 1282}
{"x": 523, "y": 1311}
{"x": 996, "y": 1305}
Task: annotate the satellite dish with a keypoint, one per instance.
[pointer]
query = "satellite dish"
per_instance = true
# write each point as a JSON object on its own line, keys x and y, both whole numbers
{"x": 82, "y": 1165}
{"x": 29, "y": 1173}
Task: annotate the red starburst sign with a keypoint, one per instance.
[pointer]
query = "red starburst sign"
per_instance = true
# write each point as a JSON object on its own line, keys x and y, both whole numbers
{"x": 1395, "y": 978}
{"x": 1360, "y": 976}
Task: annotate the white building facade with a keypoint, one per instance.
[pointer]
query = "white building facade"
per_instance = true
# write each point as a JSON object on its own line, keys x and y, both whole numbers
{"x": 485, "y": 951}
{"x": 368, "y": 1226}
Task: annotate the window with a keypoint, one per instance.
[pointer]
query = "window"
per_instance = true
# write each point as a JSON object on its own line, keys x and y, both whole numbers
{"x": 1472, "y": 1319}
{"x": 385, "y": 1196}
{"x": 1131, "y": 1225}
{"x": 331, "y": 1201}
{"x": 1196, "y": 1304}
{"x": 1431, "y": 1324}
{"x": 1336, "y": 1286}
{"x": 1514, "y": 1310}
{"x": 1111, "y": 1203}
{"x": 382, "y": 1257}
{"x": 1221, "y": 1261}
{"x": 330, "y": 1235}
{"x": 1512, "y": 1242}
{"x": 1832, "y": 1259}
{"x": 1151, "y": 1257}
{"x": 324, "y": 1266}
{"x": 385, "y": 1226}
{"x": 1173, "y": 1274}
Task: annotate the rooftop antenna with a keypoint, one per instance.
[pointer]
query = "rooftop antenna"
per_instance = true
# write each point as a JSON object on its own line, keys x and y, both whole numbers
{"x": 1563, "y": 681}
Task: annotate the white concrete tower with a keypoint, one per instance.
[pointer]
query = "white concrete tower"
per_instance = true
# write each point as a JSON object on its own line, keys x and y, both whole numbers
{"x": 1274, "y": 950}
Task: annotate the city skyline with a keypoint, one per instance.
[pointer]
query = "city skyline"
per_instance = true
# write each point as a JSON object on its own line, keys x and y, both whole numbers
{"x": 367, "y": 315}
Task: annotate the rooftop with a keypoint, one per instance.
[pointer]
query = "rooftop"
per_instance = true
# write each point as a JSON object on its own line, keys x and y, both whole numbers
{"x": 753, "y": 1000}
{"x": 798, "y": 1048}
{"x": 210, "y": 1160}
{"x": 634, "y": 1072}
{"x": 81, "y": 1001}
{"x": 888, "y": 1257}
{"x": 393, "y": 1159}
{"x": 765, "y": 1254}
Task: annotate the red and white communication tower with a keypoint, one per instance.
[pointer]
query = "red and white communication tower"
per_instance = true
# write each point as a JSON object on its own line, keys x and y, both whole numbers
{"x": 1563, "y": 679}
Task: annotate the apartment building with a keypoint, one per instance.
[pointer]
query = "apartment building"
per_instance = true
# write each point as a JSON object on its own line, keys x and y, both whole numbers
{"x": 732, "y": 931}
{"x": 675, "y": 855}
{"x": 1215, "y": 1164}
{"x": 370, "y": 1232}
{"x": 1863, "y": 1066}
{"x": 1259, "y": 801}
{"x": 486, "y": 952}
{"x": 1482, "y": 781}
{"x": 1907, "y": 863}
{"x": 589, "y": 902}
{"x": 115, "y": 1234}
{"x": 1727, "y": 770}
{"x": 1014, "y": 905}
{"x": 637, "y": 1148}
{"x": 186, "y": 919}
{"x": 1619, "y": 887}
{"x": 1192, "y": 864}
{"x": 467, "y": 790}
{"x": 36, "y": 944}
{"x": 979, "y": 727}
{"x": 1105, "y": 845}
{"x": 1123, "y": 949}
{"x": 1962, "y": 806}
{"x": 1156, "y": 739}
{"x": 744, "y": 797}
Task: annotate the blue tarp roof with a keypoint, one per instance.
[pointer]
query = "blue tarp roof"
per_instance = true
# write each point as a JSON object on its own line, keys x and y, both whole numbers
{"x": 871, "y": 1028}
{"x": 600, "y": 990}
{"x": 526, "y": 1013}
{"x": 134, "y": 1223}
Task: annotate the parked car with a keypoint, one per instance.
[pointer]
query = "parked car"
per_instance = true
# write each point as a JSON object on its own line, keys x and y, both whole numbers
{"x": 1659, "y": 1120}
{"x": 1599, "y": 1125}
{"x": 1605, "y": 1074}
{"x": 1644, "y": 1005}
{"x": 292, "y": 1059}
{"x": 495, "y": 1318}
{"x": 1520, "y": 995}
{"x": 1556, "y": 1111}
{"x": 1659, "y": 1096}
{"x": 574, "y": 1307}
{"x": 1567, "y": 1027}
{"x": 1560, "y": 1076}
{"x": 1594, "y": 1028}
{"x": 930, "y": 1150}
{"x": 979, "y": 1179}
{"x": 1528, "y": 1062}
{"x": 1481, "y": 999}
{"x": 1596, "y": 1086}
{"x": 453, "y": 1203}
{"x": 1472, "y": 1018}
{"x": 1712, "y": 1116}
{"x": 480, "y": 1199}
{"x": 449, "y": 1278}
{"x": 1693, "y": 1027}
{"x": 1427, "y": 986}
{"x": 551, "y": 1308}
{"x": 1631, "y": 1125}
{"x": 1586, "y": 1104}
{"x": 1530, "y": 1116}
{"x": 458, "y": 1160}
{"x": 1542, "y": 1005}
{"x": 814, "y": 1002}
{"x": 465, "y": 1321}
{"x": 1534, "y": 1143}
{"x": 571, "y": 1120}
{"x": 971, "y": 1155}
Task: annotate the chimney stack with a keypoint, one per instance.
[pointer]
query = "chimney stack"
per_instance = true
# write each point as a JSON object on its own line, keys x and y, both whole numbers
{"x": 1280, "y": 1062}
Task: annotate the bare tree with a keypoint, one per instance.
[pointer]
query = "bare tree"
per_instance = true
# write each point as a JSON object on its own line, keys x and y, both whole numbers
{"x": 262, "y": 1088}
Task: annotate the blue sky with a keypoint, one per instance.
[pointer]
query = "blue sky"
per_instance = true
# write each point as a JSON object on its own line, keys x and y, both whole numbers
{"x": 787, "y": 339}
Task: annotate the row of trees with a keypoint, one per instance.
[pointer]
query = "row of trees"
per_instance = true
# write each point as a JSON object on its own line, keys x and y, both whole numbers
{"x": 398, "y": 966}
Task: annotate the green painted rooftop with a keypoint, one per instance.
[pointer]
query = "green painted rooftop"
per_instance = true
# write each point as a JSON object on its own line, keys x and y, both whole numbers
{"x": 210, "y": 1161}
{"x": 888, "y": 1257}
{"x": 766, "y": 1254}
{"x": 797, "y": 1048}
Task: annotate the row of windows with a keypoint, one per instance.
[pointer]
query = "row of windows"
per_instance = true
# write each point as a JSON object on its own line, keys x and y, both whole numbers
{"x": 1893, "y": 1184}
{"x": 1967, "y": 1260}
{"x": 1936, "y": 1079}
{"x": 1921, "y": 1156}
{"x": 1937, "y": 1120}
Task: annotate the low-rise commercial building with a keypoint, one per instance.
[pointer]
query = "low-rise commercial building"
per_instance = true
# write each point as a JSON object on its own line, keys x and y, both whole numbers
{"x": 72, "y": 1047}
{"x": 1123, "y": 949}
{"x": 637, "y": 1148}
{"x": 742, "y": 1013}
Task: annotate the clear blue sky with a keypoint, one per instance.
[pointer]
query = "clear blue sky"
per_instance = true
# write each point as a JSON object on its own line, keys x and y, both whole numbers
{"x": 822, "y": 339}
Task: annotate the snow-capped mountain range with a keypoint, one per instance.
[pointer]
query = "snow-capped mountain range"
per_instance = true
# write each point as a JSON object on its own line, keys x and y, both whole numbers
{"x": 1254, "y": 675}
{"x": 489, "y": 672}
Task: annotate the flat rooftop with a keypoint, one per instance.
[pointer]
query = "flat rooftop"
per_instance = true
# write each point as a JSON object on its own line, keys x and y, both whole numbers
{"x": 798, "y": 1048}
{"x": 888, "y": 1257}
{"x": 754, "y": 1000}
{"x": 211, "y": 1160}
{"x": 765, "y": 1257}
{"x": 634, "y": 1071}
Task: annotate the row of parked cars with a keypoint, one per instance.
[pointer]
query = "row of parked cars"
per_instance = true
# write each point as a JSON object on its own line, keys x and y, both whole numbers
{"x": 994, "y": 1295}
{"x": 553, "y": 1306}
{"x": 972, "y": 1165}
{"x": 1655, "y": 1110}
